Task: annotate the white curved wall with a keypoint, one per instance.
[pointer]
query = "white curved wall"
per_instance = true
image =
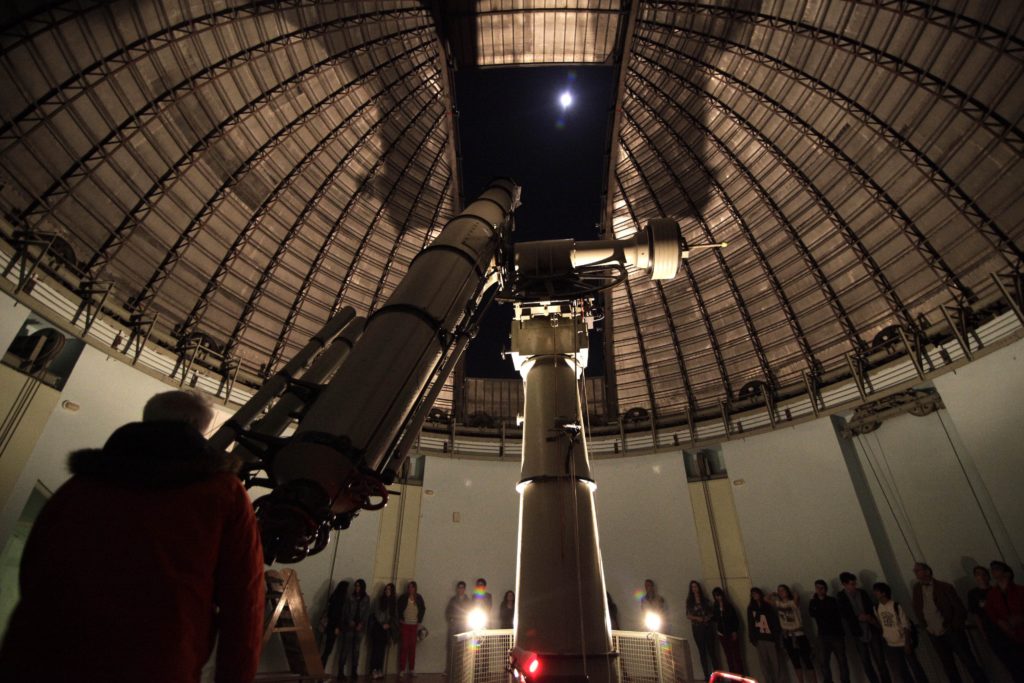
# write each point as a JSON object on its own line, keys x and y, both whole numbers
{"x": 985, "y": 400}
{"x": 811, "y": 505}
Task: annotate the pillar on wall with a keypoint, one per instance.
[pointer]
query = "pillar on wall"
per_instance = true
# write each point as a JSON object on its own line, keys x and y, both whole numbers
{"x": 891, "y": 568}
{"x": 720, "y": 542}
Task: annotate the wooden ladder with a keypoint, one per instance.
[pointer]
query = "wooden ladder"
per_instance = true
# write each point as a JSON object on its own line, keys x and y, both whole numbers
{"x": 288, "y": 617}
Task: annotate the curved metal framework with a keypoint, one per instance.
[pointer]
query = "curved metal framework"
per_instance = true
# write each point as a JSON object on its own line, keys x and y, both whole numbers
{"x": 840, "y": 149}
{"x": 238, "y": 174}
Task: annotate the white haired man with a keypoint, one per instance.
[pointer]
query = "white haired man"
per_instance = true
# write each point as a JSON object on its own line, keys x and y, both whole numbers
{"x": 137, "y": 562}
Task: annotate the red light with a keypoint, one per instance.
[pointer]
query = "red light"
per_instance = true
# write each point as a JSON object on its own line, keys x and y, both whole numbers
{"x": 533, "y": 666}
{"x": 722, "y": 677}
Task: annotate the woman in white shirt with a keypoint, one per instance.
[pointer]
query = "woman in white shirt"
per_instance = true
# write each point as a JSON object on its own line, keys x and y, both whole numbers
{"x": 794, "y": 640}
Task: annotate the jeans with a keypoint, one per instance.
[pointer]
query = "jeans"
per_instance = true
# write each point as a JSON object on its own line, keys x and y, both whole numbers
{"x": 904, "y": 665}
{"x": 771, "y": 662}
{"x": 955, "y": 643}
{"x": 379, "y": 637}
{"x": 731, "y": 648}
{"x": 827, "y": 646}
{"x": 351, "y": 640}
{"x": 872, "y": 659}
{"x": 704, "y": 638}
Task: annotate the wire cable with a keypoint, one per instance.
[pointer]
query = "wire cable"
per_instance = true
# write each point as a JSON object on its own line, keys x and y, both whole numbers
{"x": 895, "y": 489}
{"x": 868, "y": 454}
{"x": 574, "y": 483}
{"x": 970, "y": 484}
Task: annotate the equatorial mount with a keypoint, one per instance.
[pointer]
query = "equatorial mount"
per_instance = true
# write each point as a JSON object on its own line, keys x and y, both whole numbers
{"x": 561, "y": 270}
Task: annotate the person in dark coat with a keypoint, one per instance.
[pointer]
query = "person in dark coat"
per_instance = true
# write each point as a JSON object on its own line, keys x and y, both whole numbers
{"x": 613, "y": 612}
{"x": 355, "y": 617}
{"x": 727, "y": 627}
{"x": 507, "y": 610}
{"x": 1004, "y": 606}
{"x": 383, "y": 628}
{"x": 699, "y": 612}
{"x": 857, "y": 610}
{"x": 942, "y": 613}
{"x": 455, "y": 617}
{"x": 766, "y": 635}
{"x": 166, "y": 556}
{"x": 333, "y": 619}
{"x": 825, "y": 611}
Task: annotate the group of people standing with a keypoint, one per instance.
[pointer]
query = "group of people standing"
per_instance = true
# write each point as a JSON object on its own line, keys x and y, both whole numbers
{"x": 883, "y": 632}
{"x": 388, "y": 619}
{"x": 709, "y": 619}
{"x": 462, "y": 604}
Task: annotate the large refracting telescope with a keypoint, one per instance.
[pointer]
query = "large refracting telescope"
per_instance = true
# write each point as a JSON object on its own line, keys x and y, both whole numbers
{"x": 354, "y": 431}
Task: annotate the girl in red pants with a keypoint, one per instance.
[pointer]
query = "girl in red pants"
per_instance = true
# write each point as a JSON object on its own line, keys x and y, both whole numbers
{"x": 410, "y": 616}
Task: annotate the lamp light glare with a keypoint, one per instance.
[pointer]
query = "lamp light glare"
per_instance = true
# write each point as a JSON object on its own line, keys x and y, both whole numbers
{"x": 565, "y": 99}
{"x": 476, "y": 619}
{"x": 652, "y": 620}
{"x": 533, "y": 665}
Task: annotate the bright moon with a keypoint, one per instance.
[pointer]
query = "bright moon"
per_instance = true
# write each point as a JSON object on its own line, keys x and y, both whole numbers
{"x": 565, "y": 100}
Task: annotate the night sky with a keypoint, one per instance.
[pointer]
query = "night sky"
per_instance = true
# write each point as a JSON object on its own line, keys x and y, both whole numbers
{"x": 511, "y": 124}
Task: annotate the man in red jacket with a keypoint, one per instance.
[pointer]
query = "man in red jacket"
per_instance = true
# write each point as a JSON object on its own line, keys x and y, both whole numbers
{"x": 1004, "y": 605}
{"x": 140, "y": 560}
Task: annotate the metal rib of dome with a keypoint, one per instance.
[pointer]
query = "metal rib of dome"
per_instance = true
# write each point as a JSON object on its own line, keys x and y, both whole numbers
{"x": 234, "y": 172}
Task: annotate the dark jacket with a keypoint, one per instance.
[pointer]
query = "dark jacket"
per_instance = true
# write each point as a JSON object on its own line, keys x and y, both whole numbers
{"x": 506, "y": 615}
{"x": 951, "y": 607}
{"x": 403, "y": 602}
{"x": 456, "y": 611}
{"x": 160, "y": 538}
{"x": 384, "y": 612}
{"x": 763, "y": 622}
{"x": 702, "y": 610}
{"x": 828, "y": 616}
{"x": 336, "y": 607}
{"x": 1001, "y": 606}
{"x": 849, "y": 615}
{"x": 976, "y": 598}
{"x": 727, "y": 621}
{"x": 356, "y": 612}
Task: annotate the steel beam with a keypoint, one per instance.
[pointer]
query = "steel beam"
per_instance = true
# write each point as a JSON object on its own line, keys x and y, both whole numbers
{"x": 389, "y": 263}
{"x": 135, "y": 218}
{"x": 83, "y": 167}
{"x": 852, "y": 240}
{"x": 829, "y": 293}
{"x": 698, "y": 216}
{"x": 256, "y": 294}
{"x": 998, "y": 125}
{"x": 144, "y": 298}
{"x": 215, "y": 280}
{"x": 698, "y": 298}
{"x": 932, "y": 258}
{"x": 950, "y": 189}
